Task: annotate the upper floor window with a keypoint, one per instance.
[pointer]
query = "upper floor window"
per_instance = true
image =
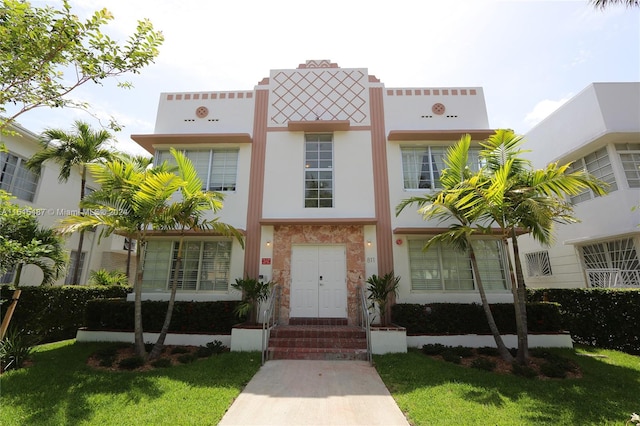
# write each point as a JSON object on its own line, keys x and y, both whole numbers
{"x": 16, "y": 178}
{"x": 597, "y": 164}
{"x": 422, "y": 165}
{"x": 318, "y": 170}
{"x": 217, "y": 168}
{"x": 630, "y": 159}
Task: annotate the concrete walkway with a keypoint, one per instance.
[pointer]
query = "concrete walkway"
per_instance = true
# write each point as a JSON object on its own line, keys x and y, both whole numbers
{"x": 300, "y": 392}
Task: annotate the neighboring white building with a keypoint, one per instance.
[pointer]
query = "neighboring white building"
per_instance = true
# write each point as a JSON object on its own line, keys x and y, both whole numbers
{"x": 598, "y": 130}
{"x": 313, "y": 162}
{"x": 53, "y": 200}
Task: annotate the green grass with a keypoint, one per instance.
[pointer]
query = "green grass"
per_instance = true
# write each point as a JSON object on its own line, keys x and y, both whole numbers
{"x": 433, "y": 392}
{"x": 60, "y": 389}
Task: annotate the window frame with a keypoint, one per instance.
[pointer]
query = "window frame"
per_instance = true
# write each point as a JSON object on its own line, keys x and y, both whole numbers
{"x": 538, "y": 264}
{"x": 167, "y": 262}
{"x": 629, "y": 155}
{"x": 436, "y": 154}
{"x": 318, "y": 175}
{"x": 207, "y": 181}
{"x": 447, "y": 257}
{"x": 73, "y": 256}
{"x": 28, "y": 184}
{"x": 584, "y": 163}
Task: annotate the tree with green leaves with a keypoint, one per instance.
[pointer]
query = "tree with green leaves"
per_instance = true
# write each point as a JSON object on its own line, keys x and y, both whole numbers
{"x": 135, "y": 200}
{"x": 46, "y": 53}
{"x": 522, "y": 200}
{"x": 76, "y": 149}
{"x": 458, "y": 183}
{"x": 24, "y": 242}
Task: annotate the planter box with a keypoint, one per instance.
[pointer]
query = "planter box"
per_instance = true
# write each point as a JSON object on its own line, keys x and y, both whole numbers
{"x": 556, "y": 340}
{"x": 246, "y": 338}
{"x": 84, "y": 335}
{"x": 385, "y": 340}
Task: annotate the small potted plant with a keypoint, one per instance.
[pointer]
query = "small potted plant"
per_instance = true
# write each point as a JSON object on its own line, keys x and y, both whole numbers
{"x": 254, "y": 292}
{"x": 380, "y": 287}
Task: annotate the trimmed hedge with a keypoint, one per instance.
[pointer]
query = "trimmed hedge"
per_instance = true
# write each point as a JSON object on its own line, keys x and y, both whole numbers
{"x": 469, "y": 318}
{"x": 606, "y": 318}
{"x": 50, "y": 314}
{"x": 188, "y": 317}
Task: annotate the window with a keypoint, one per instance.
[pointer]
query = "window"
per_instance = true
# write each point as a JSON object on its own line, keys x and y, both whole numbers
{"x": 7, "y": 277}
{"x": 217, "y": 168}
{"x": 630, "y": 159}
{"x": 618, "y": 256}
{"x": 205, "y": 265}
{"x": 318, "y": 173}
{"x": 444, "y": 268}
{"x": 538, "y": 264}
{"x": 597, "y": 164}
{"x": 421, "y": 165}
{"x": 73, "y": 258}
{"x": 16, "y": 178}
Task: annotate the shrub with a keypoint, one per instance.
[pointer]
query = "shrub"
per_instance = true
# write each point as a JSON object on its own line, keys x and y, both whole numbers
{"x": 188, "y": 316}
{"x": 483, "y": 363}
{"x": 552, "y": 369}
{"x": 469, "y": 318}
{"x": 451, "y": 355}
{"x": 462, "y": 351}
{"x": 179, "y": 350}
{"x": 161, "y": 363}
{"x": 131, "y": 363}
{"x": 606, "y": 318}
{"x": 187, "y": 358}
{"x": 211, "y": 348}
{"x": 15, "y": 349}
{"x": 49, "y": 314}
{"x": 103, "y": 277}
{"x": 433, "y": 349}
{"x": 488, "y": 351}
{"x": 523, "y": 371}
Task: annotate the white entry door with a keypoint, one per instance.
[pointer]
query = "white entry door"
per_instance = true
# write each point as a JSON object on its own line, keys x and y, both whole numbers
{"x": 318, "y": 281}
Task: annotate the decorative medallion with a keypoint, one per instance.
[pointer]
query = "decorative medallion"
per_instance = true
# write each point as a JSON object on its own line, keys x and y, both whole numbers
{"x": 202, "y": 111}
{"x": 438, "y": 109}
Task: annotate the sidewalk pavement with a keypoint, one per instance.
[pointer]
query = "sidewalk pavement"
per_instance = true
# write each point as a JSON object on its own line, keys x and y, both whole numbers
{"x": 301, "y": 392}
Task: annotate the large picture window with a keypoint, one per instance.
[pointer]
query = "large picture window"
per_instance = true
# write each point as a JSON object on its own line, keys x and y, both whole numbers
{"x": 444, "y": 268}
{"x": 205, "y": 265}
{"x": 422, "y": 165}
{"x": 318, "y": 170}
{"x": 16, "y": 178}
{"x": 217, "y": 168}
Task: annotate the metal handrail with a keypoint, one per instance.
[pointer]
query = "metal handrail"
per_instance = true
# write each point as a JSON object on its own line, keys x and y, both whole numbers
{"x": 270, "y": 319}
{"x": 365, "y": 322}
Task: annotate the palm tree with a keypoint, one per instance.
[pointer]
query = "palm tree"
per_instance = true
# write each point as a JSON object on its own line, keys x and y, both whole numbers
{"x": 185, "y": 215}
{"x": 520, "y": 200}
{"x": 78, "y": 148}
{"x": 603, "y": 4}
{"x": 134, "y": 200}
{"x": 459, "y": 185}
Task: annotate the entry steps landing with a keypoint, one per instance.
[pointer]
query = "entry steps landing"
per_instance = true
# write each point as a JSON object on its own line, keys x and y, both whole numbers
{"x": 318, "y": 339}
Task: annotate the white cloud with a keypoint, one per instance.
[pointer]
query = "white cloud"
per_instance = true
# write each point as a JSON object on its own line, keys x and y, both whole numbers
{"x": 543, "y": 109}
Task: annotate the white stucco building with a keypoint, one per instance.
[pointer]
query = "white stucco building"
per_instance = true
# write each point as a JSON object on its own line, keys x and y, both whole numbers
{"x": 52, "y": 200}
{"x": 597, "y": 130}
{"x": 312, "y": 162}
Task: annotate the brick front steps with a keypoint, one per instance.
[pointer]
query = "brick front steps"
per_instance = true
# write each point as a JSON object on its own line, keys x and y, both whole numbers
{"x": 318, "y": 338}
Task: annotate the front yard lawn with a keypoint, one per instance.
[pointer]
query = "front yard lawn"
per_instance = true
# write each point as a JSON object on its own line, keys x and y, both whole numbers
{"x": 434, "y": 392}
{"x": 60, "y": 389}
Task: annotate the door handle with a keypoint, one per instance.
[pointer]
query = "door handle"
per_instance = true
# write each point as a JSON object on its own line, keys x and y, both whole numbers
{"x": 320, "y": 277}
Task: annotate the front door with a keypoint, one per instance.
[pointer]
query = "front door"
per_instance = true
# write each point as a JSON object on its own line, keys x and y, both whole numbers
{"x": 318, "y": 281}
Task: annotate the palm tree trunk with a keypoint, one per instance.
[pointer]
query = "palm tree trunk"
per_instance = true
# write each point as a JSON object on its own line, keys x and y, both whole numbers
{"x": 76, "y": 268}
{"x": 517, "y": 306}
{"x": 157, "y": 348}
{"x": 128, "y": 272}
{"x": 502, "y": 348}
{"x": 523, "y": 342}
{"x": 137, "y": 316}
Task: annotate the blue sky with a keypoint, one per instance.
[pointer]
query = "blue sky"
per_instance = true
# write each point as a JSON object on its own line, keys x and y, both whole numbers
{"x": 529, "y": 56}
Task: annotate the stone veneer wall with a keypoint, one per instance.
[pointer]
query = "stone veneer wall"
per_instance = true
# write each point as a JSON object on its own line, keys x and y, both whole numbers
{"x": 352, "y": 236}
